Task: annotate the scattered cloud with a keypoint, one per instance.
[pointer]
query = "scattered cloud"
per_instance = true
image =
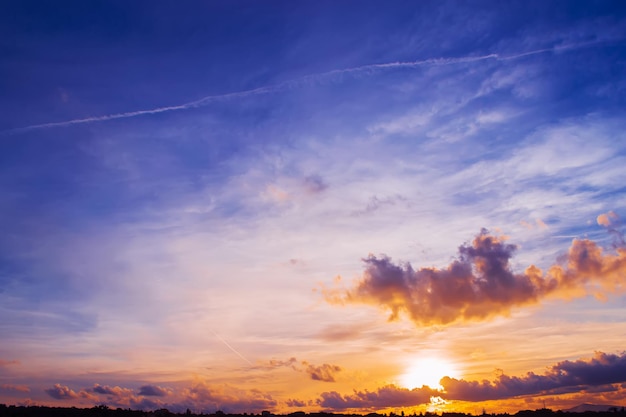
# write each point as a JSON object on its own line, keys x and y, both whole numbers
{"x": 202, "y": 396}
{"x": 290, "y": 363}
{"x": 153, "y": 390}
{"x": 296, "y": 403}
{"x": 13, "y": 387}
{"x": 480, "y": 283}
{"x": 325, "y": 372}
{"x": 113, "y": 391}
{"x": 597, "y": 373}
{"x": 314, "y": 184}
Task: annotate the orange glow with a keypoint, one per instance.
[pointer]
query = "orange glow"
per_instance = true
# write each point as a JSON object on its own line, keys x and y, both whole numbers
{"x": 428, "y": 371}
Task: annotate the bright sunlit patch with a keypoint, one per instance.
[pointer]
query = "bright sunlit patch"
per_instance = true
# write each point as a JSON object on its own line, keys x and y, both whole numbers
{"x": 428, "y": 371}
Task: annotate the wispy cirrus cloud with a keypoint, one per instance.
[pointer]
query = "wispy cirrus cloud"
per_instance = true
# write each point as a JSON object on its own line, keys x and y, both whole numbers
{"x": 385, "y": 397}
{"x": 285, "y": 85}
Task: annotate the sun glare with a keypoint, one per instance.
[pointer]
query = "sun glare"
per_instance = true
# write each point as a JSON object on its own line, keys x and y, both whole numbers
{"x": 428, "y": 371}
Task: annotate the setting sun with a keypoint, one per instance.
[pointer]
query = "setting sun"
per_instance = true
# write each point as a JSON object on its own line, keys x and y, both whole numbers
{"x": 427, "y": 371}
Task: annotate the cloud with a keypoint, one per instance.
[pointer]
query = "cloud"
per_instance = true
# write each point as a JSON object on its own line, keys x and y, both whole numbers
{"x": 566, "y": 376}
{"x": 7, "y": 362}
{"x": 480, "y": 283}
{"x": 61, "y": 392}
{"x": 388, "y": 396}
{"x": 153, "y": 390}
{"x": 203, "y": 396}
{"x": 325, "y": 372}
{"x": 314, "y": 184}
{"x": 12, "y": 387}
{"x": 296, "y": 403}
{"x": 290, "y": 363}
{"x": 612, "y": 221}
{"x": 113, "y": 391}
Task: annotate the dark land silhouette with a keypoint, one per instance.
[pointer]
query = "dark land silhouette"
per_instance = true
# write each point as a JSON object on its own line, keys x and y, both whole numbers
{"x": 105, "y": 411}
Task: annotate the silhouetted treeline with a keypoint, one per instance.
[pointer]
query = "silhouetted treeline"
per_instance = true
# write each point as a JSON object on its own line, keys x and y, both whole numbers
{"x": 104, "y": 411}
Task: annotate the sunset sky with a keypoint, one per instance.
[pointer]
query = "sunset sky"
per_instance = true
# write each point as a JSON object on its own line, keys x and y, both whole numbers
{"x": 348, "y": 206}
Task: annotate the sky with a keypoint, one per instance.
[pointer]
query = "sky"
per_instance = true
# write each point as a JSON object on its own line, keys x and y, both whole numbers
{"x": 348, "y": 206}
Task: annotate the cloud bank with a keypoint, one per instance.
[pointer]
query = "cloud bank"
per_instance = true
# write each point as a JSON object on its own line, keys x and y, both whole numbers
{"x": 480, "y": 283}
{"x": 388, "y": 396}
{"x": 564, "y": 377}
{"x": 596, "y": 374}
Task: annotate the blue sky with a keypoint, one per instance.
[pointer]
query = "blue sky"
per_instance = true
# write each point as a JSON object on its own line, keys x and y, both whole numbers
{"x": 190, "y": 190}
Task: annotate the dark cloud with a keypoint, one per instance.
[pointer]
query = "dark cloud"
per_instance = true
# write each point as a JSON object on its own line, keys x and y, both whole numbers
{"x": 388, "y": 396}
{"x": 61, "y": 392}
{"x": 325, "y": 372}
{"x": 480, "y": 282}
{"x": 593, "y": 375}
{"x": 153, "y": 390}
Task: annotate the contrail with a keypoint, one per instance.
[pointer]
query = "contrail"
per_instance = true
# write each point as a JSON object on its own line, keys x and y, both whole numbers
{"x": 312, "y": 78}
{"x": 232, "y": 348}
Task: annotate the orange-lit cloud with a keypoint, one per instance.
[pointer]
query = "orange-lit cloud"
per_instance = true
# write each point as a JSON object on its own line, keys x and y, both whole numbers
{"x": 325, "y": 372}
{"x": 202, "y": 396}
{"x": 480, "y": 283}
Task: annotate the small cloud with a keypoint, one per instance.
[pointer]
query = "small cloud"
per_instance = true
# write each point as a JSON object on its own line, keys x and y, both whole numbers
{"x": 537, "y": 224}
{"x": 596, "y": 374}
{"x": 9, "y": 362}
{"x": 276, "y": 193}
{"x": 608, "y": 219}
{"x": 61, "y": 392}
{"x": 340, "y": 332}
{"x": 12, "y": 387}
{"x": 385, "y": 397}
{"x": 325, "y": 372}
{"x": 153, "y": 390}
{"x": 113, "y": 391}
{"x": 296, "y": 403}
{"x": 290, "y": 363}
{"x": 202, "y": 396}
{"x": 612, "y": 222}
